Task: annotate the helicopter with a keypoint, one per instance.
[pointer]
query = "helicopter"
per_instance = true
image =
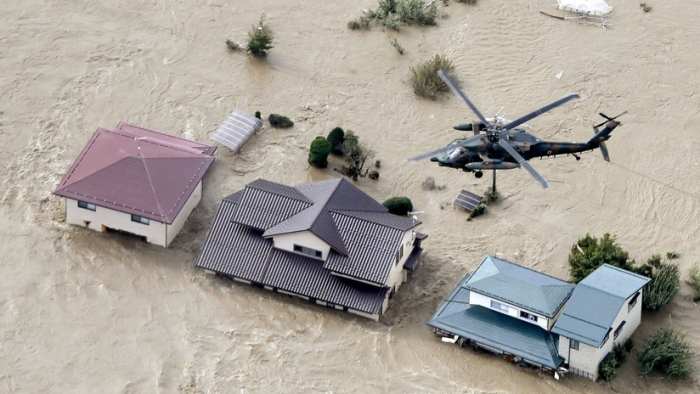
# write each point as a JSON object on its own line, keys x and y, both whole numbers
{"x": 503, "y": 147}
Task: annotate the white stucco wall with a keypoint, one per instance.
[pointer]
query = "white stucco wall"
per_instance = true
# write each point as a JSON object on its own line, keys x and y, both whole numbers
{"x": 396, "y": 277}
{"x": 302, "y": 238}
{"x": 101, "y": 216}
{"x": 514, "y": 311}
{"x": 588, "y": 358}
{"x": 174, "y": 228}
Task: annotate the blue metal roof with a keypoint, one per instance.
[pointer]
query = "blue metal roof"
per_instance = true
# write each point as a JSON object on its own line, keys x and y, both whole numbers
{"x": 494, "y": 329}
{"x": 596, "y": 301}
{"x": 520, "y": 286}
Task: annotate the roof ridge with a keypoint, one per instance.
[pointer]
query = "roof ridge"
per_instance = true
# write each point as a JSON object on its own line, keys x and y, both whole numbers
{"x": 323, "y": 207}
{"x": 158, "y": 142}
{"x": 601, "y": 290}
{"x": 81, "y": 156}
{"x": 530, "y": 269}
{"x": 343, "y": 212}
{"x": 114, "y": 202}
{"x": 252, "y": 186}
{"x": 624, "y": 271}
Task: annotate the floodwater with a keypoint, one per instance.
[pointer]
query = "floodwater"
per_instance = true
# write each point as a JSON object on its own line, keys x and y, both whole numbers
{"x": 86, "y": 312}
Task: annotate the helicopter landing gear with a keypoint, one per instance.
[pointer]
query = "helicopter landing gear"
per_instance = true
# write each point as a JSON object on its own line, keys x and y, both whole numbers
{"x": 478, "y": 174}
{"x": 576, "y": 156}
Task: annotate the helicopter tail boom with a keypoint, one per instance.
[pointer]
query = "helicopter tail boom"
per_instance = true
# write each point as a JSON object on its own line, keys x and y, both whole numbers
{"x": 603, "y": 135}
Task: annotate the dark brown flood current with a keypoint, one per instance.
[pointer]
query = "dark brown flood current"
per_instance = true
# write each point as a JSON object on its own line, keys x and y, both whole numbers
{"x": 83, "y": 312}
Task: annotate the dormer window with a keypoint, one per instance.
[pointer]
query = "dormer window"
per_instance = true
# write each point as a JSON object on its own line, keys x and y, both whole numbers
{"x": 308, "y": 251}
{"x": 528, "y": 316}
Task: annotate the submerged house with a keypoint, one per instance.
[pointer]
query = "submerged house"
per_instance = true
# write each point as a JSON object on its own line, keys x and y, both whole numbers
{"x": 327, "y": 242}
{"x": 539, "y": 320}
{"x": 136, "y": 181}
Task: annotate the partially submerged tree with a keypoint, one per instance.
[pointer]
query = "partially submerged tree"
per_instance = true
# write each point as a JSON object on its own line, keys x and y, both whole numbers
{"x": 399, "y": 205}
{"x": 336, "y": 137}
{"x": 260, "y": 38}
{"x": 425, "y": 80}
{"x": 667, "y": 351}
{"x": 356, "y": 154}
{"x": 392, "y": 13}
{"x": 665, "y": 282}
{"x": 318, "y": 152}
{"x": 589, "y": 253}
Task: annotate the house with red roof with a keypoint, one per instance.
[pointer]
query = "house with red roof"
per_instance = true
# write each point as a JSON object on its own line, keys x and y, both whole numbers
{"x": 136, "y": 181}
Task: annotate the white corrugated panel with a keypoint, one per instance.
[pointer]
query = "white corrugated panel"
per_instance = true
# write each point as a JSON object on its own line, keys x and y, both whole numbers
{"x": 236, "y": 130}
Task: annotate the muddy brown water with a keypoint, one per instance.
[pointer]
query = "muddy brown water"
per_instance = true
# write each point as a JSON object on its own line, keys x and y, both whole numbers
{"x": 87, "y": 312}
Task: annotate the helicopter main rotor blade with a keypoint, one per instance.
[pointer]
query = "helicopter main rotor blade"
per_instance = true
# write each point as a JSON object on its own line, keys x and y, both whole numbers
{"x": 540, "y": 111}
{"x": 446, "y": 149}
{"x": 458, "y": 92}
{"x": 523, "y": 163}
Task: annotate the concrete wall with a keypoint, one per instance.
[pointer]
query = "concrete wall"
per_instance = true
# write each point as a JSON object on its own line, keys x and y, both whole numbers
{"x": 174, "y": 228}
{"x": 101, "y": 216}
{"x": 514, "y": 311}
{"x": 588, "y": 358}
{"x": 302, "y": 238}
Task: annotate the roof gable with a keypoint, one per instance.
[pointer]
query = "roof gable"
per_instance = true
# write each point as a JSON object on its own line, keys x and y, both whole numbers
{"x": 520, "y": 286}
{"x": 596, "y": 302}
{"x": 139, "y": 173}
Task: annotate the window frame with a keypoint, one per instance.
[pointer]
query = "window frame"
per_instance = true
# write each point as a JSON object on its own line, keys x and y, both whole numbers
{"x": 619, "y": 328}
{"x": 633, "y": 302}
{"x": 140, "y": 220}
{"x": 528, "y": 316}
{"x": 86, "y": 205}
{"x": 573, "y": 344}
{"x": 306, "y": 251}
{"x": 499, "y": 307}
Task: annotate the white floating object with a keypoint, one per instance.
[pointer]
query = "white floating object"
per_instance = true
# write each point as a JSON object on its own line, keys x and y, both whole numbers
{"x": 559, "y": 74}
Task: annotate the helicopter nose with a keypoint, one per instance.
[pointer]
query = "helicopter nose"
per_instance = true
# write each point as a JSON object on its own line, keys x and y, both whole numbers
{"x": 433, "y": 159}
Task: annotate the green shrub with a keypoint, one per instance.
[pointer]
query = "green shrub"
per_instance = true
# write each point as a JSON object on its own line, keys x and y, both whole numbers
{"x": 664, "y": 285}
{"x": 280, "y": 121}
{"x": 672, "y": 255}
{"x": 232, "y": 45}
{"x": 373, "y": 175}
{"x": 667, "y": 351}
{"x": 425, "y": 80}
{"x": 318, "y": 152}
{"x": 607, "y": 369}
{"x": 378, "y": 163}
{"x": 415, "y": 11}
{"x": 399, "y": 205}
{"x": 260, "y": 38}
{"x": 645, "y": 7}
{"x": 694, "y": 282}
{"x": 620, "y": 353}
{"x": 336, "y": 137}
{"x": 589, "y": 253}
{"x": 477, "y": 211}
{"x": 258, "y": 114}
{"x": 467, "y": 1}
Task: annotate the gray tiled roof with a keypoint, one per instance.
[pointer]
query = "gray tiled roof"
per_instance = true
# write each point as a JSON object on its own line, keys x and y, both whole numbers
{"x": 371, "y": 249}
{"x": 242, "y": 252}
{"x": 262, "y": 208}
{"x": 520, "y": 286}
{"x": 412, "y": 260}
{"x": 494, "y": 329}
{"x": 234, "y": 249}
{"x": 363, "y": 235}
{"x": 596, "y": 302}
{"x": 306, "y": 276}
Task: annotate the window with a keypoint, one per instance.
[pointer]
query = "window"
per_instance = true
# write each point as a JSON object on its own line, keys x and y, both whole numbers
{"x": 573, "y": 344}
{"x": 528, "y": 316}
{"x": 499, "y": 307}
{"x": 398, "y": 258}
{"x": 308, "y": 251}
{"x": 632, "y": 302}
{"x": 86, "y": 205}
{"x": 140, "y": 219}
{"x": 618, "y": 330}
